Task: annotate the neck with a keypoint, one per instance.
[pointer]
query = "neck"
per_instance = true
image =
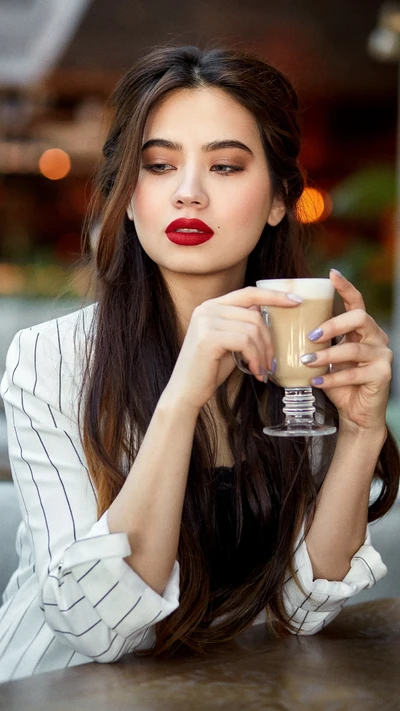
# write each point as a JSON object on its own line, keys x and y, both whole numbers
{"x": 191, "y": 290}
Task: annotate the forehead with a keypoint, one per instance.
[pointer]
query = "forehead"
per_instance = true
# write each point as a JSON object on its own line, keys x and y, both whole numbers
{"x": 201, "y": 115}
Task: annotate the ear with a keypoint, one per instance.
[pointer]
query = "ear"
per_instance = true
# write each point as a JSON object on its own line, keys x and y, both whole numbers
{"x": 277, "y": 212}
{"x": 129, "y": 211}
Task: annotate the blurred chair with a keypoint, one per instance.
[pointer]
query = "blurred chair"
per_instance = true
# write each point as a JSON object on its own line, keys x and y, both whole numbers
{"x": 10, "y": 518}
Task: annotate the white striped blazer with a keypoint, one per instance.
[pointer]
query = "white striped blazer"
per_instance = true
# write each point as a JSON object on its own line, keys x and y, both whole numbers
{"x": 73, "y": 598}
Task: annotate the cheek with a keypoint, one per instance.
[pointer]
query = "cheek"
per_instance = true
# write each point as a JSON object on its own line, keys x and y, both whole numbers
{"x": 144, "y": 204}
{"x": 250, "y": 206}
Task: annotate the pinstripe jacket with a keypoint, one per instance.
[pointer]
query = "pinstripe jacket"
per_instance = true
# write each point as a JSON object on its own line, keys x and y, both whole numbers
{"x": 73, "y": 598}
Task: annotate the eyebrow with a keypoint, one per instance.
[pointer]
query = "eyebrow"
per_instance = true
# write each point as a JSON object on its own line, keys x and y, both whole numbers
{"x": 207, "y": 147}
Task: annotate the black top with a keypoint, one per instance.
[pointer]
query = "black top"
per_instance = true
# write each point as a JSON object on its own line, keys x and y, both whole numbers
{"x": 232, "y": 561}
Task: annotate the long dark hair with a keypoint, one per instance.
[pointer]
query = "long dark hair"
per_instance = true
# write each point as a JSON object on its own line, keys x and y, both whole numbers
{"x": 134, "y": 346}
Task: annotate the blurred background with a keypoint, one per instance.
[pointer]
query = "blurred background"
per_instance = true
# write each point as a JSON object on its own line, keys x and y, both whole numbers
{"x": 60, "y": 60}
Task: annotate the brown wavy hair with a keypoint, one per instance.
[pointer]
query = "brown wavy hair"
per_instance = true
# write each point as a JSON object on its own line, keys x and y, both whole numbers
{"x": 134, "y": 345}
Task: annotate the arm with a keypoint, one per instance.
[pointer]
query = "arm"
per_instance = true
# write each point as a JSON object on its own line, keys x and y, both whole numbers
{"x": 317, "y": 602}
{"x": 149, "y": 505}
{"x": 334, "y": 560}
{"x": 91, "y": 598}
{"x": 339, "y": 524}
{"x": 358, "y": 384}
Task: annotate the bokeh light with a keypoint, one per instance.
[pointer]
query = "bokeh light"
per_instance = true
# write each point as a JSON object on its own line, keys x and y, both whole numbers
{"x": 54, "y": 164}
{"x": 12, "y": 279}
{"x": 313, "y": 205}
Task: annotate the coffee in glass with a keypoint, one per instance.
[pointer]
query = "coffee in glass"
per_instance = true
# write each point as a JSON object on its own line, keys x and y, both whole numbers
{"x": 289, "y": 328}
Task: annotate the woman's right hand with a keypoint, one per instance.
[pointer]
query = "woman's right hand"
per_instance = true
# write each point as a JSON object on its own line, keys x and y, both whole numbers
{"x": 232, "y": 322}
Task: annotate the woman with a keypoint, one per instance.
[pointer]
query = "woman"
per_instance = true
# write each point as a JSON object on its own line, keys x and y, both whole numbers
{"x": 137, "y": 447}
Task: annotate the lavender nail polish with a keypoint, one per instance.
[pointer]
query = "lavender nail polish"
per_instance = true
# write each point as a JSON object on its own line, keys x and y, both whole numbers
{"x": 308, "y": 358}
{"x": 315, "y": 334}
{"x": 317, "y": 381}
{"x": 337, "y": 272}
{"x": 295, "y": 297}
{"x": 273, "y": 365}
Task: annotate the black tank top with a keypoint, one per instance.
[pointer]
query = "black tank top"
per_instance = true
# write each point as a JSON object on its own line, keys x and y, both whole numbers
{"x": 230, "y": 563}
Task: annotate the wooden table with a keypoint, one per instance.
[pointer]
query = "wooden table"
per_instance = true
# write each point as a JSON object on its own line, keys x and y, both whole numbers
{"x": 353, "y": 665}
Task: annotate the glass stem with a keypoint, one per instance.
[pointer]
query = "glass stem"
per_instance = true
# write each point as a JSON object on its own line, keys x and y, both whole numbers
{"x": 299, "y": 406}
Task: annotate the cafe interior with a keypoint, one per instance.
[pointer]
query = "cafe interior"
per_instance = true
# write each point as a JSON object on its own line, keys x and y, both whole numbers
{"x": 59, "y": 62}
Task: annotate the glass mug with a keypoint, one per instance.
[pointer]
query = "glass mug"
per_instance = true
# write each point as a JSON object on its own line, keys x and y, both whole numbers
{"x": 289, "y": 328}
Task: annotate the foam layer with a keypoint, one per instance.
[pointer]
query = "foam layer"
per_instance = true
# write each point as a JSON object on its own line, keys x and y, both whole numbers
{"x": 307, "y": 288}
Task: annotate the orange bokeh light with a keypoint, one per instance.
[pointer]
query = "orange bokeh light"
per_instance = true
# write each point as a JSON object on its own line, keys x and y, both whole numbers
{"x": 54, "y": 164}
{"x": 12, "y": 279}
{"x": 313, "y": 205}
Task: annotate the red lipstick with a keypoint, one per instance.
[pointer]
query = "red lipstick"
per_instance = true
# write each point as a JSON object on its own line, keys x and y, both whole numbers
{"x": 202, "y": 234}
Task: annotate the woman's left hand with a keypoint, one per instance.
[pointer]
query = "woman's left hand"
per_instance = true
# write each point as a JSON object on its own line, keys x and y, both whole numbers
{"x": 359, "y": 379}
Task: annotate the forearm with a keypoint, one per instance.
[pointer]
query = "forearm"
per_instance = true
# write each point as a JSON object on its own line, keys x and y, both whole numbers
{"x": 339, "y": 524}
{"x": 149, "y": 505}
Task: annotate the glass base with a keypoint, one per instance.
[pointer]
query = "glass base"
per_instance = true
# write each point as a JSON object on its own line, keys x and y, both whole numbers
{"x": 299, "y": 430}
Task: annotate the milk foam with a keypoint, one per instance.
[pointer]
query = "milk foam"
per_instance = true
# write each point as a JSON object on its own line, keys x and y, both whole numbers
{"x": 307, "y": 288}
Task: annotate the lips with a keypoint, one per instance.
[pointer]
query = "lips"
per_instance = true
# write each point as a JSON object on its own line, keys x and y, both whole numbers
{"x": 203, "y": 232}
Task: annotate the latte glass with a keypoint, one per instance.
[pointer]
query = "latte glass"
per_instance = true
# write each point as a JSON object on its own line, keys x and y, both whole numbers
{"x": 289, "y": 328}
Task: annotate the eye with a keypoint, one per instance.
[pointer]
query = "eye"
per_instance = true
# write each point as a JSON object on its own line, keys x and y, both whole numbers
{"x": 158, "y": 168}
{"x": 224, "y": 169}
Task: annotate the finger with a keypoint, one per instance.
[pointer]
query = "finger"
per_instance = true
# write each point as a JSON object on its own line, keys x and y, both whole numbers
{"x": 252, "y": 330}
{"x": 375, "y": 374}
{"x": 352, "y": 298}
{"x": 356, "y": 320}
{"x": 250, "y": 316}
{"x": 242, "y": 343}
{"x": 253, "y": 295}
{"x": 348, "y": 352}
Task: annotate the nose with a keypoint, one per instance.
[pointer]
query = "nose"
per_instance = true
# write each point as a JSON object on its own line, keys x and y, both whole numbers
{"x": 190, "y": 192}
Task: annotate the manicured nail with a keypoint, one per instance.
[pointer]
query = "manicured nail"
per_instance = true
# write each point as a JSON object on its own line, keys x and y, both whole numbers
{"x": 273, "y": 365}
{"x": 315, "y": 334}
{"x": 265, "y": 376}
{"x": 337, "y": 272}
{"x": 260, "y": 370}
{"x": 295, "y": 297}
{"x": 308, "y": 358}
{"x": 317, "y": 381}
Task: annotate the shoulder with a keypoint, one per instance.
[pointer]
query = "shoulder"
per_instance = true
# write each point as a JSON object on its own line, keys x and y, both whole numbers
{"x": 63, "y": 335}
{"x": 49, "y": 357}
{"x": 60, "y": 330}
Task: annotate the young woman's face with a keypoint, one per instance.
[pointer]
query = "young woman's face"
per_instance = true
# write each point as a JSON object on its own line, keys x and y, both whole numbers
{"x": 202, "y": 159}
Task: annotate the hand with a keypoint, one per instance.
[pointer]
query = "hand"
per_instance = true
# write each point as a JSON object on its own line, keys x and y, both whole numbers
{"x": 232, "y": 322}
{"x": 358, "y": 383}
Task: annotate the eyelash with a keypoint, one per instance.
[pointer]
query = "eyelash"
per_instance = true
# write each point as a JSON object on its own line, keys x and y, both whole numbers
{"x": 154, "y": 168}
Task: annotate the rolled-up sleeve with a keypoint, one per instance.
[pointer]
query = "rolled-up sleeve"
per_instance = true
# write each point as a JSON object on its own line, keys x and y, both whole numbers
{"x": 89, "y": 595}
{"x": 320, "y": 601}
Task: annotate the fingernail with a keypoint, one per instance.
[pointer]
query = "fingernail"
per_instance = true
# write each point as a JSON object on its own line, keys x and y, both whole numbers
{"x": 273, "y": 365}
{"x": 317, "y": 381}
{"x": 308, "y": 358}
{"x": 265, "y": 316}
{"x": 295, "y": 297}
{"x": 265, "y": 376}
{"x": 260, "y": 370}
{"x": 336, "y": 271}
{"x": 315, "y": 334}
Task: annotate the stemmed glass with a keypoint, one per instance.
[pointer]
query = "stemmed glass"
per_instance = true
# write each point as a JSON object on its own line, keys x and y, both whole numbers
{"x": 289, "y": 328}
